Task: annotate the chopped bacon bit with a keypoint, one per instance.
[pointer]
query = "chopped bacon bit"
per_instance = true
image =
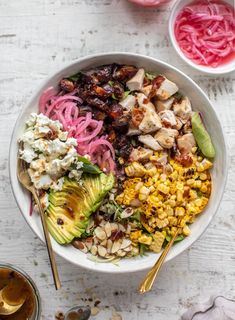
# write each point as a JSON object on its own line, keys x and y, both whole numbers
{"x": 156, "y": 85}
{"x": 145, "y": 101}
{"x": 186, "y": 160}
{"x": 137, "y": 116}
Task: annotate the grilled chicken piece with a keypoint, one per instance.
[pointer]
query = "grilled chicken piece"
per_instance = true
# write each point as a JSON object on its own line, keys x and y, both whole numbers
{"x": 162, "y": 161}
{"x": 164, "y": 105}
{"x": 186, "y": 143}
{"x": 179, "y": 124}
{"x": 168, "y": 118}
{"x": 166, "y": 137}
{"x": 151, "y": 122}
{"x": 150, "y": 142}
{"x": 144, "y": 102}
{"x": 140, "y": 154}
{"x": 183, "y": 109}
{"x": 165, "y": 88}
{"x": 133, "y": 131}
{"x": 136, "y": 82}
{"x": 128, "y": 103}
{"x": 187, "y": 127}
{"x": 146, "y": 90}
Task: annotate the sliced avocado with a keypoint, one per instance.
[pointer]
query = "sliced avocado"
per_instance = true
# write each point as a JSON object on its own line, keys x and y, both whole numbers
{"x": 69, "y": 210}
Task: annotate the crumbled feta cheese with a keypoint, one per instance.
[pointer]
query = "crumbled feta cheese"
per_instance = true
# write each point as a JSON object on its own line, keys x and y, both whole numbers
{"x": 27, "y": 154}
{"x": 45, "y": 121}
{"x": 39, "y": 165}
{"x": 28, "y": 137}
{"x": 49, "y": 152}
{"x": 40, "y": 145}
{"x": 43, "y": 181}
{"x": 58, "y": 185}
{"x": 63, "y": 135}
{"x": 44, "y": 129}
{"x": 71, "y": 142}
{"x": 79, "y": 165}
{"x": 31, "y": 120}
{"x": 75, "y": 174}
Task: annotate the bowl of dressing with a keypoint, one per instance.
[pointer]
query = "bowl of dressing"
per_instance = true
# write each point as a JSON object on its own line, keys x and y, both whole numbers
{"x": 20, "y": 299}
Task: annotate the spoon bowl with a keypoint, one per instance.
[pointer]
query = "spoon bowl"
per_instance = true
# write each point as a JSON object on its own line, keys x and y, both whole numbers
{"x": 7, "y": 309}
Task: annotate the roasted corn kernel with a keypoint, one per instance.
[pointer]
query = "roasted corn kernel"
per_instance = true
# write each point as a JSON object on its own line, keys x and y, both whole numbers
{"x": 204, "y": 165}
{"x": 158, "y": 240}
{"x": 145, "y": 239}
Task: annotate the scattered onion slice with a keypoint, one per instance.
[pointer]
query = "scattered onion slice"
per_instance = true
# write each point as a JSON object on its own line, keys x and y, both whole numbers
{"x": 204, "y": 31}
{"x": 31, "y": 206}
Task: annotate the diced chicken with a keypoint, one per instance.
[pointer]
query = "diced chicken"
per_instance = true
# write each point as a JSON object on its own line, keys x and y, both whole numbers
{"x": 146, "y": 90}
{"x": 136, "y": 82}
{"x": 144, "y": 102}
{"x": 166, "y": 137}
{"x": 166, "y": 89}
{"x": 183, "y": 109}
{"x": 128, "y": 103}
{"x": 140, "y": 154}
{"x": 187, "y": 128}
{"x": 150, "y": 142}
{"x": 179, "y": 124}
{"x": 164, "y": 105}
{"x": 132, "y": 131}
{"x": 162, "y": 161}
{"x": 151, "y": 122}
{"x": 168, "y": 118}
{"x": 186, "y": 143}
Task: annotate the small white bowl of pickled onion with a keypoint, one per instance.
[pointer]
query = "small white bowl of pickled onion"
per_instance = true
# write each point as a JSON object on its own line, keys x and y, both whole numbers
{"x": 203, "y": 34}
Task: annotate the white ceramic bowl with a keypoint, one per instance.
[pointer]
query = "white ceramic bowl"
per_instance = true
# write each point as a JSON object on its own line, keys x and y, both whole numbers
{"x": 199, "y": 101}
{"x": 223, "y": 69}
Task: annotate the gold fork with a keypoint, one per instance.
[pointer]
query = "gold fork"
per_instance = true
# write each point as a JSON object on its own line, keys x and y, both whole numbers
{"x": 147, "y": 283}
{"x": 25, "y": 180}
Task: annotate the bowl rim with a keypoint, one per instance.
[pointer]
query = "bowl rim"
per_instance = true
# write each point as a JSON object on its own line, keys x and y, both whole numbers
{"x": 198, "y": 67}
{"x": 12, "y": 153}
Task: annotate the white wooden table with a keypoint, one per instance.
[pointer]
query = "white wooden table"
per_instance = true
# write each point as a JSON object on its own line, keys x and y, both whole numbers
{"x": 36, "y": 38}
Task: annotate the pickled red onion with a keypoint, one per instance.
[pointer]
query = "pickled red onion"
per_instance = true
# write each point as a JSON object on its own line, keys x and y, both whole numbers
{"x": 83, "y": 128}
{"x": 31, "y": 206}
{"x": 45, "y": 97}
{"x": 204, "y": 31}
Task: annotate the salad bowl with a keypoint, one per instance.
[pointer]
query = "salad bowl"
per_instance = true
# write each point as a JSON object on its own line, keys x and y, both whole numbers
{"x": 200, "y": 103}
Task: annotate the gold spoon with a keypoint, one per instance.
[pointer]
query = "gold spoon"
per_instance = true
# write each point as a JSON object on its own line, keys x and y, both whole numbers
{"x": 25, "y": 180}
{"x": 147, "y": 283}
{"x": 6, "y": 308}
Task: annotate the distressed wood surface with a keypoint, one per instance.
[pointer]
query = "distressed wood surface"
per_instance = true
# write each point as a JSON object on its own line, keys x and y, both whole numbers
{"x": 36, "y": 38}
